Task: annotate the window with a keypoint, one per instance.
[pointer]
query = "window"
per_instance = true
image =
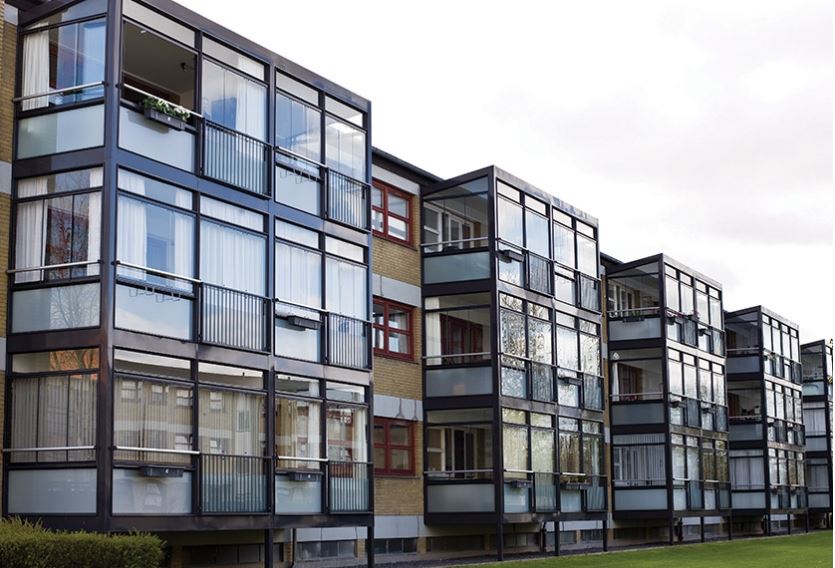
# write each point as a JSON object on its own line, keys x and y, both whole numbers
{"x": 57, "y": 408}
{"x": 235, "y": 424}
{"x": 347, "y": 436}
{"x": 638, "y": 460}
{"x": 298, "y": 125}
{"x": 61, "y": 57}
{"x": 392, "y": 329}
{"x": 391, "y": 215}
{"x": 394, "y": 447}
{"x": 345, "y": 149}
{"x": 232, "y": 258}
{"x": 298, "y": 424}
{"x": 58, "y": 229}
{"x": 234, "y": 101}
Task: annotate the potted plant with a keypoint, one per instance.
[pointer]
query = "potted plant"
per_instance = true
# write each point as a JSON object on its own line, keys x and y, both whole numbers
{"x": 166, "y": 113}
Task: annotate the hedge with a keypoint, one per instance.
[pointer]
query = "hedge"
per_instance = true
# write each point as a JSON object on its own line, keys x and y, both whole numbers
{"x": 27, "y": 545}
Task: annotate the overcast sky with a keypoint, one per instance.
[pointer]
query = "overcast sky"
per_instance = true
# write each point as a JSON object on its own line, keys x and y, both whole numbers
{"x": 700, "y": 129}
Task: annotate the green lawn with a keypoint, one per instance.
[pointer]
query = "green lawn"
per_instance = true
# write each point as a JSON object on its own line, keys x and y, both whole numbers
{"x": 813, "y": 550}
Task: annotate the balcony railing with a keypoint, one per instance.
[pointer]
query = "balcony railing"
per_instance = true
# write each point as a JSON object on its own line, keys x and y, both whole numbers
{"x": 348, "y": 486}
{"x": 347, "y": 200}
{"x": 595, "y": 494}
{"x": 233, "y": 484}
{"x": 235, "y": 158}
{"x": 234, "y": 319}
{"x": 347, "y": 342}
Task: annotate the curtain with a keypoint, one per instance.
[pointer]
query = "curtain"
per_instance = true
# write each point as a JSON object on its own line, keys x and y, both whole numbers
{"x": 358, "y": 435}
{"x": 35, "y": 70}
{"x": 132, "y": 235}
{"x": 298, "y": 275}
{"x": 24, "y": 411}
{"x": 81, "y": 422}
{"x": 231, "y": 258}
{"x": 346, "y": 289}
{"x": 639, "y": 463}
{"x": 815, "y": 421}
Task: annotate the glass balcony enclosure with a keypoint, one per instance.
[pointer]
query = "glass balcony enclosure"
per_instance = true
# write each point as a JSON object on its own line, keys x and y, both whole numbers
{"x": 512, "y": 328}
{"x": 167, "y": 242}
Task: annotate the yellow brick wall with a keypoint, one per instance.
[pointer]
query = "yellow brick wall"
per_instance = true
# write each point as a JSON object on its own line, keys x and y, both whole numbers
{"x": 398, "y": 261}
{"x": 8, "y": 40}
{"x": 394, "y": 377}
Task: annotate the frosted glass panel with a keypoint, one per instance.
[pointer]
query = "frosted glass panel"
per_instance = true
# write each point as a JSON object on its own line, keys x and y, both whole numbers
{"x": 456, "y": 267}
{"x": 459, "y": 498}
{"x": 459, "y": 382}
{"x": 640, "y": 499}
{"x": 623, "y": 330}
{"x": 156, "y": 141}
{"x": 152, "y": 312}
{"x": 638, "y": 413}
{"x": 679, "y": 499}
{"x": 52, "y": 491}
{"x": 818, "y": 500}
{"x": 570, "y": 501}
{"x": 745, "y": 432}
{"x": 60, "y": 132}
{"x": 62, "y": 307}
{"x": 743, "y": 364}
{"x": 516, "y": 499}
{"x": 297, "y": 496}
{"x": 755, "y": 500}
{"x": 135, "y": 493}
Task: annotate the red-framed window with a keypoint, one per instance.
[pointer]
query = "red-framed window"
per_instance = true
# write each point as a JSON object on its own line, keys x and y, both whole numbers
{"x": 393, "y": 329}
{"x": 391, "y": 213}
{"x": 394, "y": 447}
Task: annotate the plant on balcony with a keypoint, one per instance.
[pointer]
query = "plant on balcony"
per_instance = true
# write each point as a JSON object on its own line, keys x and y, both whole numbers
{"x": 165, "y": 112}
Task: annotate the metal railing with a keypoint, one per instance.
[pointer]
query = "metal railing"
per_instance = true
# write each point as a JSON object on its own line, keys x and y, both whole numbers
{"x": 454, "y": 245}
{"x": 634, "y": 313}
{"x": 233, "y": 484}
{"x": 349, "y": 486}
{"x": 235, "y": 158}
{"x": 48, "y": 94}
{"x": 66, "y": 266}
{"x": 347, "y": 342}
{"x": 66, "y": 453}
{"x": 234, "y": 319}
{"x": 459, "y": 474}
{"x": 347, "y": 200}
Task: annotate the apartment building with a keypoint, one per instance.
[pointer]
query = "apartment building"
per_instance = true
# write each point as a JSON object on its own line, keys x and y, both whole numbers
{"x": 513, "y": 405}
{"x": 667, "y": 405}
{"x": 207, "y": 260}
{"x": 767, "y": 441}
{"x": 189, "y": 343}
{"x": 816, "y": 361}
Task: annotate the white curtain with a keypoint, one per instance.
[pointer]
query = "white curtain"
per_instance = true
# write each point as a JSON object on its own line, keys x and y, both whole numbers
{"x": 298, "y": 275}
{"x": 94, "y": 231}
{"x": 358, "y": 434}
{"x": 35, "y": 69}
{"x": 231, "y": 258}
{"x": 346, "y": 289}
{"x": 131, "y": 234}
{"x": 31, "y": 229}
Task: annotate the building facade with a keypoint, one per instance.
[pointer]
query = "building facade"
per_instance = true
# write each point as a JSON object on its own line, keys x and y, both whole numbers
{"x": 189, "y": 344}
{"x": 816, "y": 359}
{"x": 667, "y": 405}
{"x": 766, "y": 422}
{"x": 206, "y": 258}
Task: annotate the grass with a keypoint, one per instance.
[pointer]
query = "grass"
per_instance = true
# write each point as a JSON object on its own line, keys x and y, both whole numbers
{"x": 813, "y": 550}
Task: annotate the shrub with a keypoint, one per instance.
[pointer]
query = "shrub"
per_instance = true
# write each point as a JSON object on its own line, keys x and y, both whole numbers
{"x": 27, "y": 545}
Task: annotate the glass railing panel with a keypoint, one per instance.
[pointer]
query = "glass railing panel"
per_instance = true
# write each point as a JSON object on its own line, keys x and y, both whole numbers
{"x": 157, "y": 141}
{"x": 60, "y": 132}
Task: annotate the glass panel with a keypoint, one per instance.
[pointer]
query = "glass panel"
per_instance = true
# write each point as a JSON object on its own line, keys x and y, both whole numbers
{"x": 347, "y": 433}
{"x": 231, "y": 422}
{"x": 133, "y": 493}
{"x": 298, "y": 275}
{"x": 74, "y": 12}
{"x": 298, "y": 127}
{"x": 587, "y": 255}
{"x": 564, "y": 245}
{"x": 150, "y": 311}
{"x": 152, "y": 365}
{"x": 510, "y": 222}
{"x": 60, "y": 132}
{"x": 234, "y": 101}
{"x": 231, "y": 376}
{"x": 459, "y": 382}
{"x": 456, "y": 333}
{"x": 345, "y": 148}
{"x": 346, "y": 285}
{"x": 158, "y": 22}
{"x": 154, "y": 415}
{"x": 298, "y": 432}
{"x": 156, "y": 141}
{"x": 61, "y": 307}
{"x": 232, "y": 258}
{"x": 71, "y": 491}
{"x": 536, "y": 235}
{"x": 233, "y": 58}
{"x": 62, "y": 57}
{"x": 635, "y": 380}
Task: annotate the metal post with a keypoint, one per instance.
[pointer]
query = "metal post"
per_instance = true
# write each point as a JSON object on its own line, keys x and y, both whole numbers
{"x": 556, "y": 538}
{"x": 605, "y": 536}
{"x": 269, "y": 537}
{"x": 499, "y": 539}
{"x": 369, "y": 546}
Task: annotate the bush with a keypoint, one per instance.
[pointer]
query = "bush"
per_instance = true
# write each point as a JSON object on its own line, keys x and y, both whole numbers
{"x": 27, "y": 545}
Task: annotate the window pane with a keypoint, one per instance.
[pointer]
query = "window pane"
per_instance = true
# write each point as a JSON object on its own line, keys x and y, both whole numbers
{"x": 298, "y": 127}
{"x": 297, "y": 432}
{"x": 60, "y": 131}
{"x": 232, "y": 258}
{"x": 234, "y": 101}
{"x": 63, "y": 57}
{"x": 231, "y": 423}
{"x": 298, "y": 275}
{"x": 510, "y": 222}
{"x": 345, "y": 148}
{"x": 297, "y": 190}
{"x": 567, "y": 349}
{"x": 586, "y": 255}
{"x": 347, "y": 439}
{"x": 536, "y": 236}
{"x": 564, "y": 245}
{"x": 346, "y": 288}
{"x": 62, "y": 307}
{"x": 149, "y": 414}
